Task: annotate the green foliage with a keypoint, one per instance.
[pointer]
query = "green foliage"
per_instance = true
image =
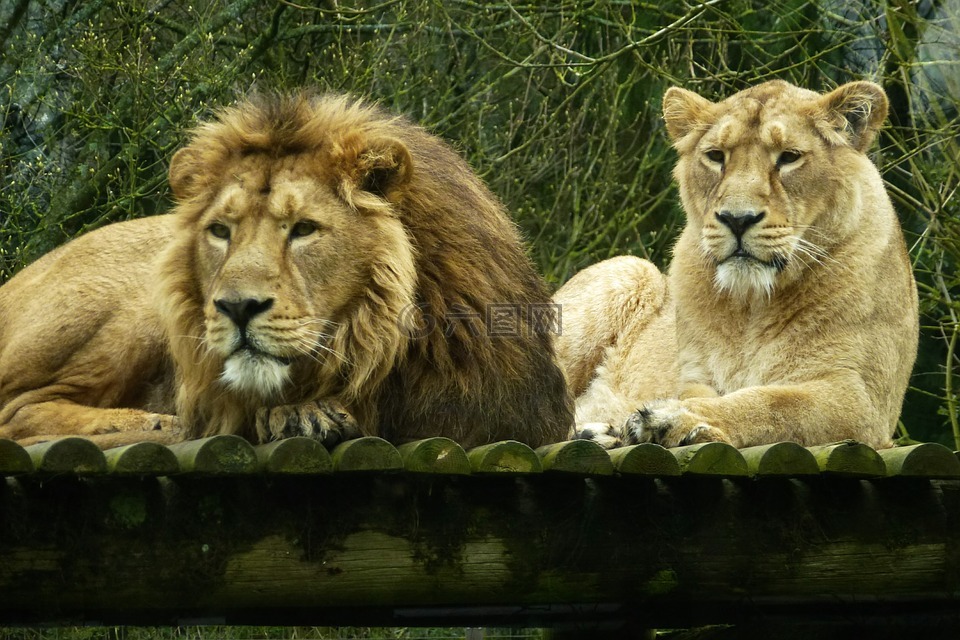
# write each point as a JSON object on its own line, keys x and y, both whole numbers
{"x": 555, "y": 103}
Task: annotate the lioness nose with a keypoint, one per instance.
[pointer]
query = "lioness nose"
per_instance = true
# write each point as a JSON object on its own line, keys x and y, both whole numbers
{"x": 242, "y": 311}
{"x": 739, "y": 221}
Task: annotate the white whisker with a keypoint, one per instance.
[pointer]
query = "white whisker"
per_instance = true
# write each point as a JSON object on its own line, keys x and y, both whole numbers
{"x": 339, "y": 356}
{"x": 306, "y": 322}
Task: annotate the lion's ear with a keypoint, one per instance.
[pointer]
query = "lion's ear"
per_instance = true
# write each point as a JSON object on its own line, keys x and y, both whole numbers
{"x": 184, "y": 173}
{"x": 684, "y": 111}
{"x": 853, "y": 114}
{"x": 382, "y": 167}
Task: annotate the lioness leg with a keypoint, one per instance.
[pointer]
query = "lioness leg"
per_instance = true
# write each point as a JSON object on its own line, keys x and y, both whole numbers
{"x": 827, "y": 410}
{"x": 44, "y": 421}
{"x": 618, "y": 345}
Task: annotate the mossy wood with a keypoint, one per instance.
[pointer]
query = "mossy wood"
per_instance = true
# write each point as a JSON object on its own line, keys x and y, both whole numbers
{"x": 366, "y": 454}
{"x": 219, "y": 531}
{"x": 645, "y": 459}
{"x": 710, "y": 459}
{"x": 217, "y": 455}
{"x": 509, "y": 457}
{"x": 142, "y": 459}
{"x": 787, "y": 459}
{"x": 928, "y": 460}
{"x": 14, "y": 459}
{"x": 434, "y": 455}
{"x": 297, "y": 455}
{"x": 576, "y": 456}
{"x": 68, "y": 455}
{"x": 849, "y": 459}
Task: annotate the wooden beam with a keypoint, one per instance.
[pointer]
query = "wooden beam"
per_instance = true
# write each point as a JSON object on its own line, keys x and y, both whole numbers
{"x": 226, "y": 539}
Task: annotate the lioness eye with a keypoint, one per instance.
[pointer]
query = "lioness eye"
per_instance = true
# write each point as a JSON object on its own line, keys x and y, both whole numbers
{"x": 788, "y": 157}
{"x": 219, "y": 230}
{"x": 715, "y": 155}
{"x": 302, "y": 229}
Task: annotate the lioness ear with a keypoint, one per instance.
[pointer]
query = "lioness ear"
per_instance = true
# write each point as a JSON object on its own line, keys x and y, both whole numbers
{"x": 382, "y": 167}
{"x": 684, "y": 111}
{"x": 184, "y": 173}
{"x": 853, "y": 113}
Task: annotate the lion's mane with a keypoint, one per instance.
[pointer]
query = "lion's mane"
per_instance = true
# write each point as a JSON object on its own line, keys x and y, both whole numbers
{"x": 415, "y": 356}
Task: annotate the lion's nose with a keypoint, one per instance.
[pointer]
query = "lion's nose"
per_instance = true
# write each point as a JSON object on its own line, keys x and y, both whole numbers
{"x": 242, "y": 311}
{"x": 739, "y": 221}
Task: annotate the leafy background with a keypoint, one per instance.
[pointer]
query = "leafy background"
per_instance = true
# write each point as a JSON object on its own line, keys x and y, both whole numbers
{"x": 554, "y": 102}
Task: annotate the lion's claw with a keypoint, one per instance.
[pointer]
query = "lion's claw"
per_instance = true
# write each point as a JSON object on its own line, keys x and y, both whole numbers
{"x": 327, "y": 422}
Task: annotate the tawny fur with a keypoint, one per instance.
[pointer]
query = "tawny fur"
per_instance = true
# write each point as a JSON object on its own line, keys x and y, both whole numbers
{"x": 616, "y": 314}
{"x": 374, "y": 254}
{"x": 81, "y": 349}
{"x": 806, "y": 328}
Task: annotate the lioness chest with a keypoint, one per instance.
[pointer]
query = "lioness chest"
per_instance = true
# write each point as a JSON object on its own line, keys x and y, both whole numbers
{"x": 784, "y": 339}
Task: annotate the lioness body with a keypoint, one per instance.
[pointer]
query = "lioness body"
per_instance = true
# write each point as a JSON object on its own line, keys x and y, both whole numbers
{"x": 328, "y": 271}
{"x": 795, "y": 303}
{"x": 618, "y": 346}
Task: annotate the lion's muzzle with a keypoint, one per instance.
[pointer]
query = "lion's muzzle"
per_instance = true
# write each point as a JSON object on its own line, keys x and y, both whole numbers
{"x": 250, "y": 368}
{"x": 243, "y": 310}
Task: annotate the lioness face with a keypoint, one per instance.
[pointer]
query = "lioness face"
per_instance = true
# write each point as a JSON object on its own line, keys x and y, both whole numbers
{"x": 751, "y": 172}
{"x": 279, "y": 257}
{"x": 751, "y": 224}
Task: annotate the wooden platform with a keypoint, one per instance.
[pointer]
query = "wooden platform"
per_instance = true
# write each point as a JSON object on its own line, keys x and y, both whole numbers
{"x": 218, "y": 531}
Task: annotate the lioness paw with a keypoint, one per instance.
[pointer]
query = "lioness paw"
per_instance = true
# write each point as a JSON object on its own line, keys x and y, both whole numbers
{"x": 654, "y": 422}
{"x": 671, "y": 424}
{"x": 606, "y": 435}
{"x": 703, "y": 433}
{"x": 327, "y": 422}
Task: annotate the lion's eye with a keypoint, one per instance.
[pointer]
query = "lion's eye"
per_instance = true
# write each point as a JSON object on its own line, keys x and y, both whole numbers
{"x": 787, "y": 157}
{"x": 715, "y": 155}
{"x": 219, "y": 230}
{"x": 303, "y": 229}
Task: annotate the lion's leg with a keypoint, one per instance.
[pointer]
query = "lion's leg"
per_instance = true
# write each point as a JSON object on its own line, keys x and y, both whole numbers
{"x": 111, "y": 440}
{"x": 815, "y": 412}
{"x": 58, "y": 418}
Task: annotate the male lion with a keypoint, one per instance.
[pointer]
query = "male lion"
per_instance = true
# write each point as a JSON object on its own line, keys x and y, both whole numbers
{"x": 325, "y": 263}
{"x": 790, "y": 300}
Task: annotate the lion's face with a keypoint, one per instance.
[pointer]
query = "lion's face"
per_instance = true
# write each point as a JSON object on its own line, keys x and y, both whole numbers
{"x": 277, "y": 261}
{"x": 287, "y": 251}
{"x": 759, "y": 175}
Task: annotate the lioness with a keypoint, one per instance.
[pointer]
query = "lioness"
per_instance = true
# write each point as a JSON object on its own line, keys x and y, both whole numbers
{"x": 328, "y": 270}
{"x": 790, "y": 303}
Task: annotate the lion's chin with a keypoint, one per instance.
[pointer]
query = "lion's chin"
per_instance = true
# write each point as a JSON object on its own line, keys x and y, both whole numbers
{"x": 257, "y": 374}
{"x": 745, "y": 278}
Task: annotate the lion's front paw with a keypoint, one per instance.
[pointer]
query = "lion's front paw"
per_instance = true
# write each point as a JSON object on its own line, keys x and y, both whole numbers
{"x": 607, "y": 436}
{"x": 669, "y": 423}
{"x": 327, "y": 422}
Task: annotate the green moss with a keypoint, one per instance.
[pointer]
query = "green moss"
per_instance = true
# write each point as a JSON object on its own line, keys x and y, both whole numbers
{"x": 662, "y": 583}
{"x": 128, "y": 510}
